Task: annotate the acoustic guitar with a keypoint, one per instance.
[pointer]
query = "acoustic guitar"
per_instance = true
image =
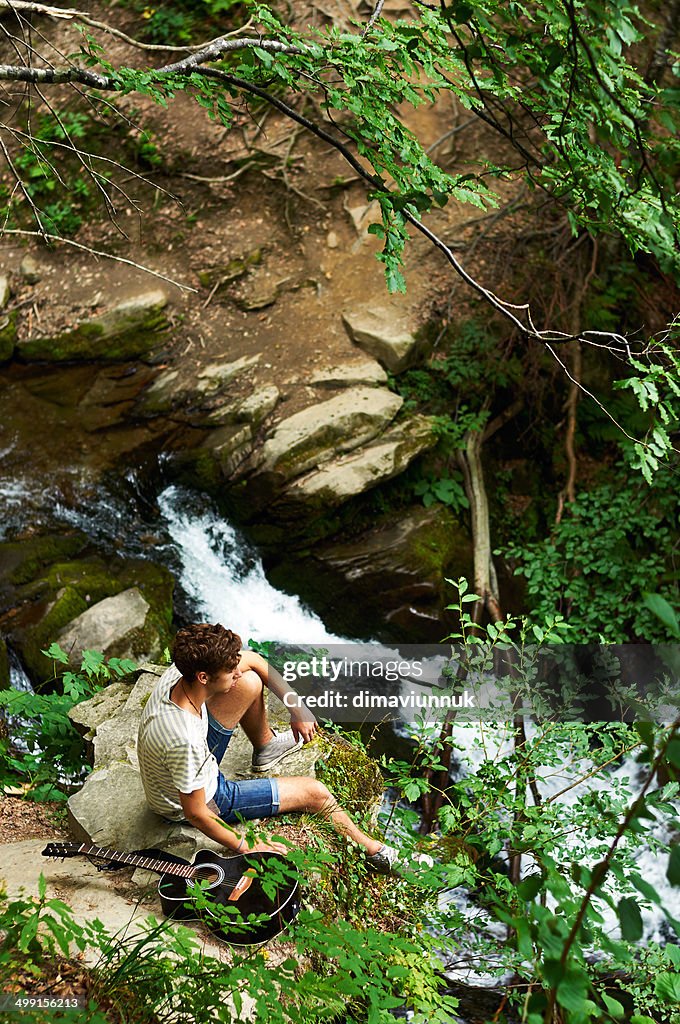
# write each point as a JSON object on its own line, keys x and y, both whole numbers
{"x": 265, "y": 900}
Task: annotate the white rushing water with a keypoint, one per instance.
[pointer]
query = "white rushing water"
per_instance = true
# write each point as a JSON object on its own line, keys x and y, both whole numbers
{"x": 225, "y": 581}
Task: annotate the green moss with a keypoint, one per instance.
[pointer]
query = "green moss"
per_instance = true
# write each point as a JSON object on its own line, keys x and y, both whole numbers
{"x": 22, "y": 560}
{"x": 73, "y": 587}
{"x": 67, "y": 606}
{"x": 351, "y": 775}
{"x": 8, "y": 335}
{"x": 115, "y": 339}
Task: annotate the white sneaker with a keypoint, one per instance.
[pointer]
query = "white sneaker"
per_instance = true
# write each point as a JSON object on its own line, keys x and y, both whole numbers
{"x": 282, "y": 744}
{"x": 388, "y": 860}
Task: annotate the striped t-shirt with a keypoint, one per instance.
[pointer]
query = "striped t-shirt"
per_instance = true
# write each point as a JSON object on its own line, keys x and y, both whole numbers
{"x": 172, "y": 747}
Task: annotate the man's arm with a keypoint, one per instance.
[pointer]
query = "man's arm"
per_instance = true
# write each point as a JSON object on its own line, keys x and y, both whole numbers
{"x": 302, "y": 721}
{"x": 198, "y": 813}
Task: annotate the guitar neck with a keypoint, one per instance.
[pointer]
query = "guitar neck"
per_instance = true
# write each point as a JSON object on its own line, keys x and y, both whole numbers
{"x": 162, "y": 867}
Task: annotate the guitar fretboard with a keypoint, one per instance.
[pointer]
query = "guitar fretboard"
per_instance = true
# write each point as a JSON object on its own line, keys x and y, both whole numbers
{"x": 163, "y": 867}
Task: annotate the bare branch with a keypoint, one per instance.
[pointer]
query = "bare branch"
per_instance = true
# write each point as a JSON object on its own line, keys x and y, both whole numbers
{"x": 104, "y": 255}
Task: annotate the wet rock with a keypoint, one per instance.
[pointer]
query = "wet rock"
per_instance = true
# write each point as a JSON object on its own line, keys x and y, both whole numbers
{"x": 404, "y": 559}
{"x": 116, "y": 626}
{"x": 386, "y": 333}
{"x": 29, "y": 269}
{"x": 316, "y": 434}
{"x": 229, "y": 446}
{"x": 126, "y": 331}
{"x": 366, "y": 371}
{"x": 342, "y": 479}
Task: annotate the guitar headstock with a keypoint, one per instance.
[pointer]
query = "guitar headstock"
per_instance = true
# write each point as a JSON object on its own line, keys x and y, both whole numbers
{"x": 60, "y": 850}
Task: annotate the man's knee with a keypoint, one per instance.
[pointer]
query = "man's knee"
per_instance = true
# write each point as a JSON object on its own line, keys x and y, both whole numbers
{"x": 250, "y": 682}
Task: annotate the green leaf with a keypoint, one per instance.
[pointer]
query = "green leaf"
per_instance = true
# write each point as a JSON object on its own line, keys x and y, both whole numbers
{"x": 673, "y": 872}
{"x": 667, "y": 987}
{"x": 660, "y": 607}
{"x": 630, "y": 918}
{"x": 529, "y": 887}
{"x": 55, "y": 652}
{"x": 614, "y": 1006}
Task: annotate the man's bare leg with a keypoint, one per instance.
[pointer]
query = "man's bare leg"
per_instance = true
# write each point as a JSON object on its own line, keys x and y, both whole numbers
{"x": 243, "y": 705}
{"x": 303, "y": 793}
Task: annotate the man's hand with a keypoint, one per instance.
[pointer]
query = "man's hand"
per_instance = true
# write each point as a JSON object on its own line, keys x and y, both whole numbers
{"x": 264, "y": 848}
{"x": 303, "y": 723}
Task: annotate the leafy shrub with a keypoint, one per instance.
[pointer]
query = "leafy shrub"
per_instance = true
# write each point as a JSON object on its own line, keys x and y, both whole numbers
{"x": 48, "y": 753}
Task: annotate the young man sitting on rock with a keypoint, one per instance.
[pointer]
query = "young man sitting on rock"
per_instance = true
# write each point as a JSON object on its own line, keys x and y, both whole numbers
{"x": 185, "y": 728}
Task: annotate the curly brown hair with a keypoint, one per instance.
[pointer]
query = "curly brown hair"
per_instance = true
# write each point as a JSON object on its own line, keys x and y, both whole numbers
{"x": 205, "y": 647}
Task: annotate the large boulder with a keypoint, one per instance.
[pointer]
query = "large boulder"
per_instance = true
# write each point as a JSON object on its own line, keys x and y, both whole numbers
{"x": 110, "y": 809}
{"x": 341, "y": 479}
{"x": 387, "y": 333}
{"x": 116, "y": 626}
{"x": 318, "y": 433}
{"x": 388, "y": 582}
{"x": 128, "y": 330}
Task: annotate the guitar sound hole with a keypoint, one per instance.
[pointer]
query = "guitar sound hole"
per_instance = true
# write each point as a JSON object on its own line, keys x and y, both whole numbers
{"x": 210, "y": 873}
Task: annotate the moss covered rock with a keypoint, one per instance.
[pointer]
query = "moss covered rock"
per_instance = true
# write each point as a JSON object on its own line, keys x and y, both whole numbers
{"x": 126, "y": 331}
{"x": 388, "y": 582}
{"x": 64, "y": 591}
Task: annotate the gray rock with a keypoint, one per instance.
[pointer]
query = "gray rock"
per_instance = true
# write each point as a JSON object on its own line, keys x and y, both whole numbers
{"x": 217, "y": 374}
{"x": 5, "y": 291}
{"x": 29, "y": 268}
{"x": 115, "y": 626}
{"x": 111, "y": 810}
{"x": 171, "y": 391}
{"x": 367, "y": 371}
{"x": 253, "y": 409}
{"x": 126, "y": 331}
{"x": 344, "y": 478}
{"x": 90, "y": 714}
{"x": 405, "y": 560}
{"x": 229, "y": 446}
{"x": 385, "y": 333}
{"x": 316, "y": 434}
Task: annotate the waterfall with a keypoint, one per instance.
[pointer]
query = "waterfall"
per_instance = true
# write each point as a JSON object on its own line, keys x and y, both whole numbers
{"x": 224, "y": 579}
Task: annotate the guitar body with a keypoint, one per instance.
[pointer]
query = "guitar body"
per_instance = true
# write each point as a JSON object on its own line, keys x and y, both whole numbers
{"x": 220, "y": 877}
{"x": 257, "y": 898}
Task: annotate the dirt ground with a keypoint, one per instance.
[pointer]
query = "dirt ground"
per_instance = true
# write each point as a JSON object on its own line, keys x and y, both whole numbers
{"x": 264, "y": 192}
